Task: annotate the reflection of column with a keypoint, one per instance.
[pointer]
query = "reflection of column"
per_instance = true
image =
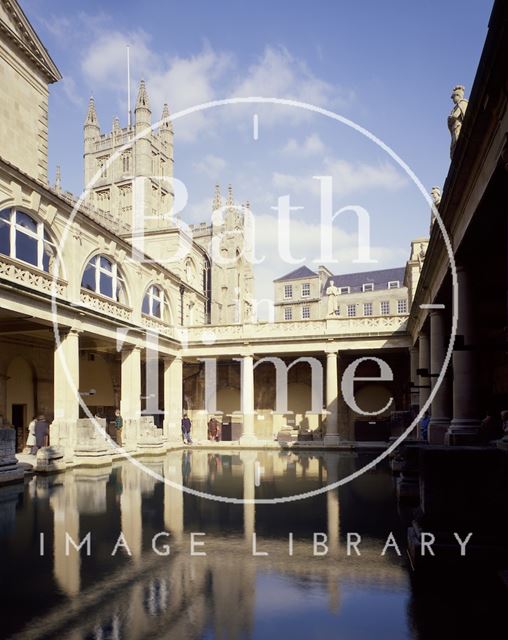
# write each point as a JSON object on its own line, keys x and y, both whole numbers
{"x": 332, "y": 419}
{"x": 440, "y": 419}
{"x": 413, "y": 366}
{"x": 332, "y": 504}
{"x": 423, "y": 363}
{"x": 130, "y": 509}
{"x": 66, "y": 386}
{"x": 66, "y": 522}
{"x": 173, "y": 368}
{"x": 249, "y": 492}
{"x": 173, "y": 496}
{"x": 465, "y": 423}
{"x": 248, "y": 399}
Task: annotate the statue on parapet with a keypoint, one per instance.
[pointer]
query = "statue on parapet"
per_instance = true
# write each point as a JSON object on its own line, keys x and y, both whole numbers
{"x": 456, "y": 117}
{"x": 435, "y": 194}
{"x": 332, "y": 292}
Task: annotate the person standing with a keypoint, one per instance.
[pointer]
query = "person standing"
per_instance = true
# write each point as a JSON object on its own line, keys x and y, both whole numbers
{"x": 118, "y": 427}
{"x": 41, "y": 433}
{"x": 186, "y": 429}
{"x": 424, "y": 426}
{"x": 30, "y": 441}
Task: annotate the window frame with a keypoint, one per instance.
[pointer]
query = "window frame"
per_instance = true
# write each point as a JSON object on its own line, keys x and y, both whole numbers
{"x": 288, "y": 313}
{"x": 394, "y": 284}
{"x": 306, "y": 309}
{"x": 152, "y": 297}
{"x": 117, "y": 280}
{"x": 344, "y": 290}
{"x": 40, "y": 236}
{"x": 286, "y": 288}
{"x": 352, "y": 308}
{"x": 367, "y": 284}
{"x": 404, "y": 302}
{"x": 381, "y": 307}
{"x": 371, "y": 309}
{"x": 306, "y": 290}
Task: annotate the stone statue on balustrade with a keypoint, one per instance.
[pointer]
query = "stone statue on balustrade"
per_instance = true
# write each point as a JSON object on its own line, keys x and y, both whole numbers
{"x": 456, "y": 117}
{"x": 333, "y": 301}
{"x": 435, "y": 194}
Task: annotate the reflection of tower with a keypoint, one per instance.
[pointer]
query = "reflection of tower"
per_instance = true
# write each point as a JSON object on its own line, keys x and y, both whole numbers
{"x": 66, "y": 523}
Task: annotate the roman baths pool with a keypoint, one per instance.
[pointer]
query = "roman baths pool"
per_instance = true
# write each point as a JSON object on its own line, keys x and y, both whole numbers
{"x": 156, "y": 562}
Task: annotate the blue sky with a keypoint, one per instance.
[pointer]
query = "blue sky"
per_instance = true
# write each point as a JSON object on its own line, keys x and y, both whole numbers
{"x": 388, "y": 66}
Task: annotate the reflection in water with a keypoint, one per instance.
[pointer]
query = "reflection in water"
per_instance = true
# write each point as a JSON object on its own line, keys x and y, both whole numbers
{"x": 153, "y": 587}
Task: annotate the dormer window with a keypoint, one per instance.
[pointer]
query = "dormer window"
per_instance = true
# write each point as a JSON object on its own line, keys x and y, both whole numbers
{"x": 368, "y": 286}
{"x": 394, "y": 284}
{"x": 344, "y": 290}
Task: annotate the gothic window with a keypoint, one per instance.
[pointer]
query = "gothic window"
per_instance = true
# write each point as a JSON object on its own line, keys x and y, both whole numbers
{"x": 126, "y": 162}
{"x": 23, "y": 238}
{"x": 101, "y": 275}
{"x": 103, "y": 198}
{"x": 153, "y": 302}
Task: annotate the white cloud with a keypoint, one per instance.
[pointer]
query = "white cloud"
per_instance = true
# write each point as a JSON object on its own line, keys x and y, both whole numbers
{"x": 347, "y": 178}
{"x": 312, "y": 145}
{"x": 211, "y": 165}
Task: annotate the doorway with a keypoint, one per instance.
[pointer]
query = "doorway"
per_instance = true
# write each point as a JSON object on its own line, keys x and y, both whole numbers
{"x": 20, "y": 424}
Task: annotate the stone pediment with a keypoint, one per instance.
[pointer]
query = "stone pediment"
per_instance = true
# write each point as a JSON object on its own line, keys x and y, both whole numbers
{"x": 16, "y": 26}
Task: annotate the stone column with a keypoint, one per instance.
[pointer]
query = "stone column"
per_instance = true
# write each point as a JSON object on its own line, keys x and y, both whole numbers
{"x": 440, "y": 419}
{"x": 423, "y": 363}
{"x": 66, "y": 389}
{"x": 247, "y": 381}
{"x": 413, "y": 366}
{"x": 332, "y": 387}
{"x": 466, "y": 419}
{"x": 173, "y": 381}
{"x": 130, "y": 403}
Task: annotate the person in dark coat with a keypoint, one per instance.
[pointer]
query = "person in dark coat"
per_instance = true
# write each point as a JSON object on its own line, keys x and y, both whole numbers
{"x": 186, "y": 429}
{"x": 41, "y": 432}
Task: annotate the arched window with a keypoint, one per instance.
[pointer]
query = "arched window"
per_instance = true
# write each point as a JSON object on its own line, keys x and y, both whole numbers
{"x": 153, "y": 302}
{"x": 23, "y": 238}
{"x": 102, "y": 276}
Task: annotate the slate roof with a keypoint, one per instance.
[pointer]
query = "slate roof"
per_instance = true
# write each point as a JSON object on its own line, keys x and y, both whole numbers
{"x": 301, "y": 272}
{"x": 380, "y": 278}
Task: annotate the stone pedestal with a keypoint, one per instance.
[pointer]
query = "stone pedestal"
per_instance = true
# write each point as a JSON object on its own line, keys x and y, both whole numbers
{"x": 50, "y": 460}
{"x": 10, "y": 470}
